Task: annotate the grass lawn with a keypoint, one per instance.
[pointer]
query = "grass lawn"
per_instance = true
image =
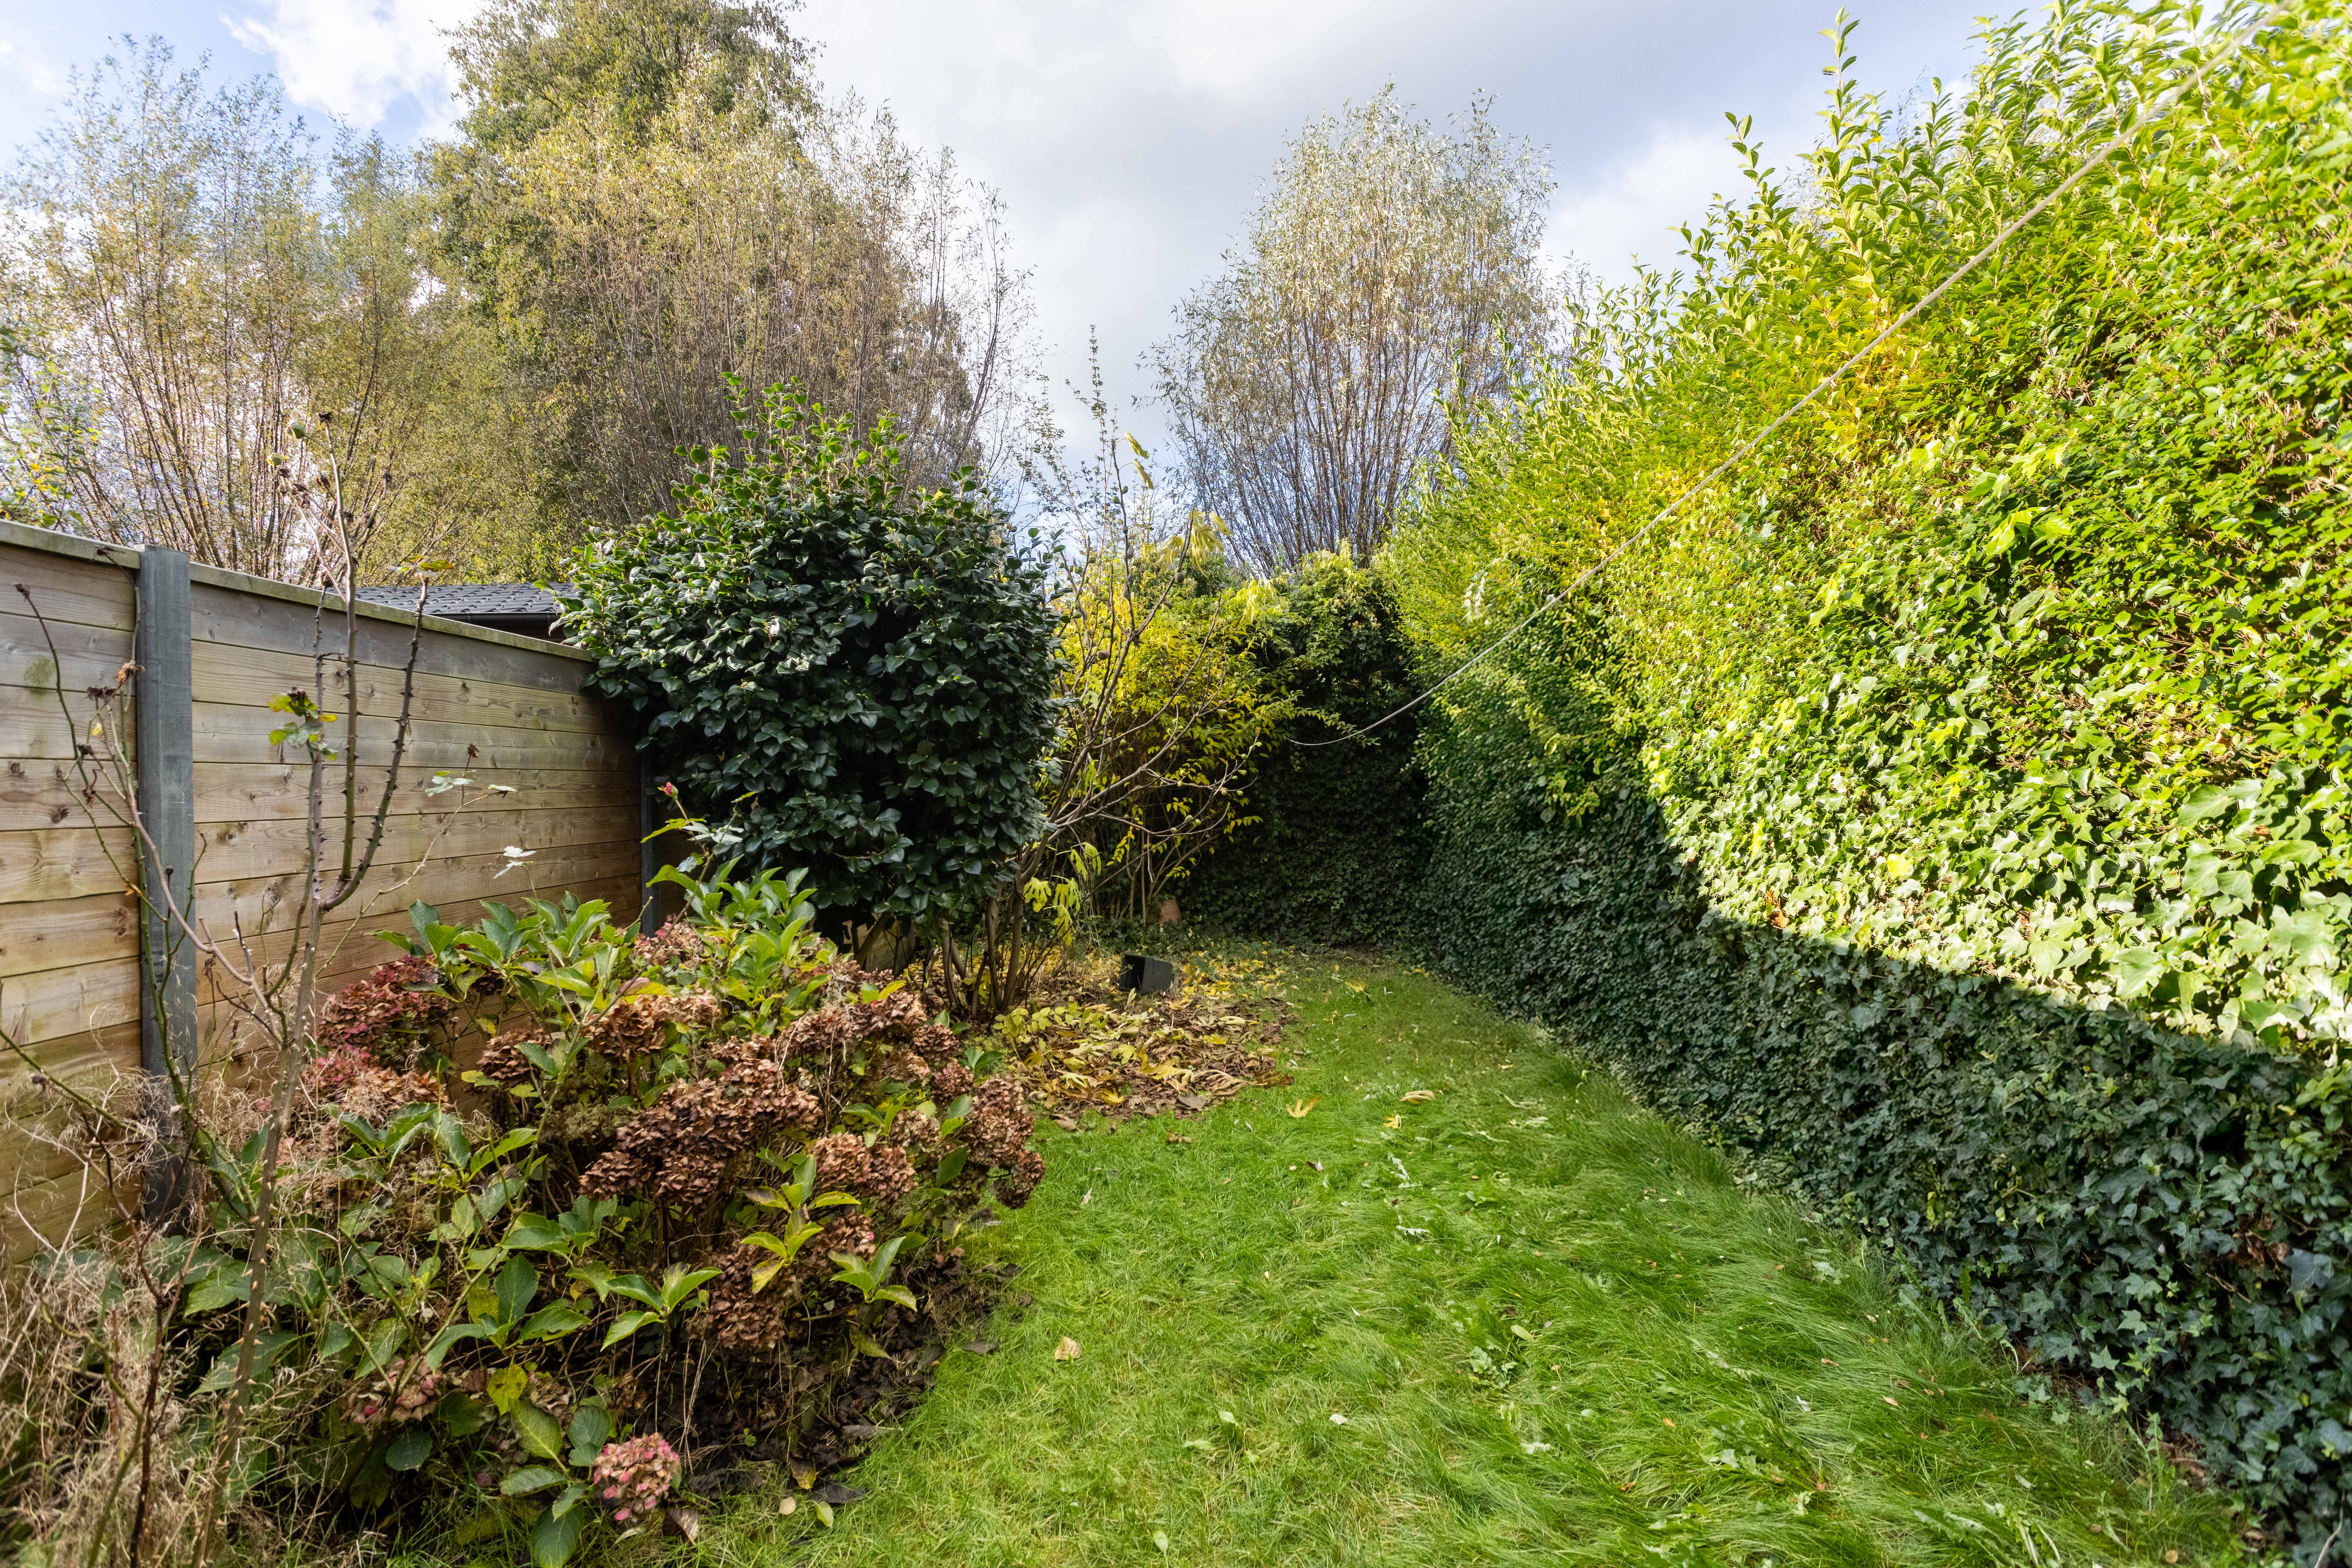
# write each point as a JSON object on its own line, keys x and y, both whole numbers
{"x": 1521, "y": 1321}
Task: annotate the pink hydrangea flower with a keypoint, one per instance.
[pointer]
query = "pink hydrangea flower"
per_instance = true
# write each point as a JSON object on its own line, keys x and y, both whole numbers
{"x": 636, "y": 1474}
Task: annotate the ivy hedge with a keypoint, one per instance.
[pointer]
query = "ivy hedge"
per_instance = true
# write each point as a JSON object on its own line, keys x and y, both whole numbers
{"x": 1333, "y": 837}
{"x": 1951, "y": 806}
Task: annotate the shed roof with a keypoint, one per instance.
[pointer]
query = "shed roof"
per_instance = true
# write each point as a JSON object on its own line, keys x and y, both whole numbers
{"x": 459, "y": 601}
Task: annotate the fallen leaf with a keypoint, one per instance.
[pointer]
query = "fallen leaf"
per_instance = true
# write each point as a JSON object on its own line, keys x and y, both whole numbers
{"x": 839, "y": 1496}
{"x": 1067, "y": 1350}
{"x": 1394, "y": 1121}
{"x": 1338, "y": 1419}
{"x": 1414, "y": 1097}
{"x": 1890, "y": 1399}
{"x": 686, "y": 1521}
{"x": 1668, "y": 1419}
{"x": 982, "y": 1347}
{"x": 1160, "y": 1539}
{"x": 789, "y": 1505}
{"x": 1299, "y": 1108}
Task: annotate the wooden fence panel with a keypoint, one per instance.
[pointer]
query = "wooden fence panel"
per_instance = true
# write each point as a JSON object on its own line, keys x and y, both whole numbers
{"x": 551, "y": 773}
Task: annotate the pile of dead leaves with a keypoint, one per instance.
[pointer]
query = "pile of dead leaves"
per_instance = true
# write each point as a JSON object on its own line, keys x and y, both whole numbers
{"x": 1085, "y": 1046}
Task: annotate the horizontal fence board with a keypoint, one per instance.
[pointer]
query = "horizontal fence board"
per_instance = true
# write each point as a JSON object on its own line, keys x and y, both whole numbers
{"x": 245, "y": 620}
{"x": 226, "y": 732}
{"x": 38, "y": 1216}
{"x": 253, "y": 677}
{"x": 350, "y": 959}
{"x": 94, "y": 929}
{"x": 36, "y": 795}
{"x": 52, "y": 1003}
{"x": 78, "y": 592}
{"x": 230, "y": 792}
{"x": 33, "y": 730}
{"x": 383, "y": 901}
{"x": 229, "y": 851}
{"x": 39, "y": 864}
{"x": 86, "y": 656}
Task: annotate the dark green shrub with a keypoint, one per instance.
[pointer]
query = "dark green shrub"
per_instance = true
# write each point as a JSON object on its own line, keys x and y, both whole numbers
{"x": 1953, "y": 808}
{"x": 854, "y": 675}
{"x": 1335, "y": 842}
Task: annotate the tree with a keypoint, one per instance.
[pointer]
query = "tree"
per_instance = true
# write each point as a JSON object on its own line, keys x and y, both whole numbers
{"x": 1391, "y": 266}
{"x": 853, "y": 671}
{"x": 186, "y": 280}
{"x": 649, "y": 201}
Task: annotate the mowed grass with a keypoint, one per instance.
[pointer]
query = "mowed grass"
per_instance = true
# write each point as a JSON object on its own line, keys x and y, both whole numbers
{"x": 1521, "y": 1321}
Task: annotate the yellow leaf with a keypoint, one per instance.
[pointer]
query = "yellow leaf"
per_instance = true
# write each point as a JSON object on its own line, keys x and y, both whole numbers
{"x": 1067, "y": 1350}
{"x": 1394, "y": 1121}
{"x": 1417, "y": 1096}
{"x": 1301, "y": 1107}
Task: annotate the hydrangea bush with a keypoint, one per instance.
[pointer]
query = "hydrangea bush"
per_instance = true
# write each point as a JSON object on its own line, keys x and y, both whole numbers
{"x": 572, "y": 1203}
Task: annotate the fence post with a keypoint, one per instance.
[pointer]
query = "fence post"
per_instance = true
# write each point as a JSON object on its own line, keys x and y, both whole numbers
{"x": 163, "y": 722}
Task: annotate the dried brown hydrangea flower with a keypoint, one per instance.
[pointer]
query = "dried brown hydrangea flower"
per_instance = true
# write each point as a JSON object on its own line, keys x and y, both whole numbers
{"x": 632, "y": 1026}
{"x": 504, "y": 1064}
{"x": 401, "y": 1392}
{"x": 1014, "y": 1187}
{"x": 842, "y": 1162}
{"x": 1001, "y": 1123}
{"x": 677, "y": 1149}
{"x": 680, "y": 944}
{"x": 346, "y": 1080}
{"x": 889, "y": 1176}
{"x": 383, "y": 1014}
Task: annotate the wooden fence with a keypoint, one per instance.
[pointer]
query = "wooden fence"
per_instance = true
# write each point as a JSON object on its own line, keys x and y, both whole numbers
{"x": 215, "y": 650}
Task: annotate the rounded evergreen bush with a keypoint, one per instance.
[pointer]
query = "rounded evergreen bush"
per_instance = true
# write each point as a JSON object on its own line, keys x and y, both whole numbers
{"x": 852, "y": 675}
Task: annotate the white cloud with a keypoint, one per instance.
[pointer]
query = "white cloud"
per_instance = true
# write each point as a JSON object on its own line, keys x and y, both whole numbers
{"x": 1633, "y": 209}
{"x": 360, "y": 59}
{"x": 34, "y": 75}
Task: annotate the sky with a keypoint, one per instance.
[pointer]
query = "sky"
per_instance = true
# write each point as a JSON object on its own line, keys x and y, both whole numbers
{"x": 1130, "y": 140}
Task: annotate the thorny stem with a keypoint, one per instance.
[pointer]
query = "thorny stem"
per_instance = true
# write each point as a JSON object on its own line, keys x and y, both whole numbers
{"x": 316, "y": 902}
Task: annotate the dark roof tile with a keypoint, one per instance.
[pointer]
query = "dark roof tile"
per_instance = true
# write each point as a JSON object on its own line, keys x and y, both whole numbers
{"x": 458, "y": 601}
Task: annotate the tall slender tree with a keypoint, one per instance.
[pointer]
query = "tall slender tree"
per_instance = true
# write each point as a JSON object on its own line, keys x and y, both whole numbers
{"x": 1390, "y": 266}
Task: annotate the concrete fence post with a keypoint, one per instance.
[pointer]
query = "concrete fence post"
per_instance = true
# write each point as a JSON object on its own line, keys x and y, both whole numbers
{"x": 164, "y": 721}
